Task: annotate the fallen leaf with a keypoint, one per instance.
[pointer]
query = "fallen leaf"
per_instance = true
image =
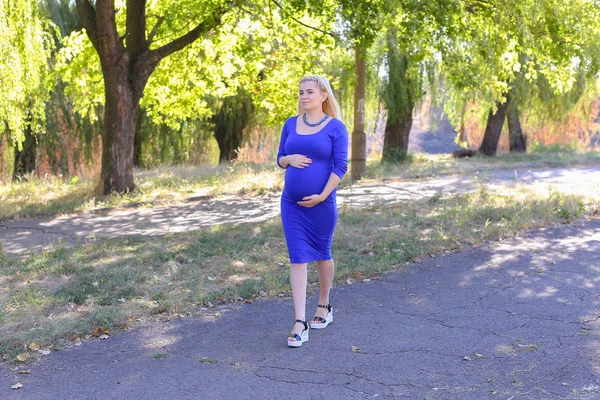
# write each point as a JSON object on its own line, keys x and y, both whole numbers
{"x": 356, "y": 349}
{"x": 348, "y": 281}
{"x": 467, "y": 358}
{"x": 16, "y": 386}
{"x": 23, "y": 357}
{"x": 367, "y": 280}
{"x": 25, "y": 371}
{"x": 479, "y": 355}
{"x": 77, "y": 342}
{"x": 100, "y": 331}
{"x": 249, "y": 301}
{"x": 34, "y": 346}
{"x": 103, "y": 337}
{"x": 44, "y": 352}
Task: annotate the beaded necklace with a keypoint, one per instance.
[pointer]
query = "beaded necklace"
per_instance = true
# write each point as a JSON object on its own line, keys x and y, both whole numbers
{"x": 315, "y": 124}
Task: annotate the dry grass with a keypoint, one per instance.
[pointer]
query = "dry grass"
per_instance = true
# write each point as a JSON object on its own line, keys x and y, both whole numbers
{"x": 50, "y": 196}
{"x": 51, "y": 297}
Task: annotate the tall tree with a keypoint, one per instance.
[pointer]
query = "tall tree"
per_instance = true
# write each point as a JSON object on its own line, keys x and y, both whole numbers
{"x": 230, "y": 122}
{"x": 362, "y": 21}
{"x": 399, "y": 100}
{"x": 263, "y": 37}
{"x": 25, "y": 49}
{"x": 416, "y": 33}
{"x": 127, "y": 61}
{"x": 521, "y": 44}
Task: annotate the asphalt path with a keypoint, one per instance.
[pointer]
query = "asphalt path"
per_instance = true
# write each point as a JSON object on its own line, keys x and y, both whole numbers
{"x": 517, "y": 319}
{"x": 19, "y": 237}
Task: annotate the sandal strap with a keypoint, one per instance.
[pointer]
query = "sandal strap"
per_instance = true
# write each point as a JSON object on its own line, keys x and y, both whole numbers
{"x": 328, "y": 306}
{"x": 295, "y": 336}
{"x": 303, "y": 323}
{"x": 319, "y": 319}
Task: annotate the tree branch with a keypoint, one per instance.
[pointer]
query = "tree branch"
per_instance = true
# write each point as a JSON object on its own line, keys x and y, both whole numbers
{"x": 87, "y": 14}
{"x": 333, "y": 35}
{"x": 136, "y": 27}
{"x": 154, "y": 30}
{"x": 204, "y": 27}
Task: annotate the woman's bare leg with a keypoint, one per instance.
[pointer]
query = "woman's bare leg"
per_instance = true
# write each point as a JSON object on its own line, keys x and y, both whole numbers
{"x": 325, "y": 270}
{"x": 298, "y": 278}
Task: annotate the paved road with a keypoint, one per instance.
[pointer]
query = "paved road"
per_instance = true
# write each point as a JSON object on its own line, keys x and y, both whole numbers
{"x": 19, "y": 237}
{"x": 519, "y": 319}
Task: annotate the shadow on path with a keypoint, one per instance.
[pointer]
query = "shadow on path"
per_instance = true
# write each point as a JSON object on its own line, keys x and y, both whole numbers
{"x": 33, "y": 235}
{"x": 519, "y": 319}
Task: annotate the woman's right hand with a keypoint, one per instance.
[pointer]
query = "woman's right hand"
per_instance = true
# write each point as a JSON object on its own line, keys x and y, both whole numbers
{"x": 298, "y": 160}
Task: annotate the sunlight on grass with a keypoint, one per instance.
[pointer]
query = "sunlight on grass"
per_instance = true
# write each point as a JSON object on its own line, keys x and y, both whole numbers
{"x": 53, "y": 296}
{"x": 51, "y": 195}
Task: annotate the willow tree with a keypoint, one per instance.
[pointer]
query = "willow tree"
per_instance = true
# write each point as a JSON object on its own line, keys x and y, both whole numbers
{"x": 25, "y": 49}
{"x": 413, "y": 39}
{"x": 507, "y": 44}
{"x": 362, "y": 22}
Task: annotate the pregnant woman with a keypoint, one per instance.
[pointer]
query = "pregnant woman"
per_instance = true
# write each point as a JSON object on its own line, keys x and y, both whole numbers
{"x": 314, "y": 152}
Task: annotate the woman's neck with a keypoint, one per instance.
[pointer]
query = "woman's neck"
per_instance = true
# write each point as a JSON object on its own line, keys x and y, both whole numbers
{"x": 314, "y": 115}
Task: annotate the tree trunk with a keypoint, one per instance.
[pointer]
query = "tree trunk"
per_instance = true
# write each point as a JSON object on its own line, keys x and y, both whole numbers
{"x": 518, "y": 141}
{"x": 120, "y": 119}
{"x": 230, "y": 123}
{"x": 493, "y": 129}
{"x": 127, "y": 63}
{"x": 395, "y": 142}
{"x": 399, "y": 102}
{"x": 359, "y": 138}
{"x": 25, "y": 159}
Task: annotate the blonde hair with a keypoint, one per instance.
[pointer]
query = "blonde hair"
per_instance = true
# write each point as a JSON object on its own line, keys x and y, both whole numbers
{"x": 330, "y": 105}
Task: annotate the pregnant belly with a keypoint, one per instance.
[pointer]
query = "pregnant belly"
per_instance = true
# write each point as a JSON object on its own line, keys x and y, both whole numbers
{"x": 306, "y": 181}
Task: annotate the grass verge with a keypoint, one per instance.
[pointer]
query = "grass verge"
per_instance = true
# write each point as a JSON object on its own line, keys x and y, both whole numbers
{"x": 61, "y": 297}
{"x": 51, "y": 196}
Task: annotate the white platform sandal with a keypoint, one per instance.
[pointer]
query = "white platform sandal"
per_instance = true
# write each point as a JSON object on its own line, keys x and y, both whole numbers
{"x": 323, "y": 322}
{"x": 303, "y": 337}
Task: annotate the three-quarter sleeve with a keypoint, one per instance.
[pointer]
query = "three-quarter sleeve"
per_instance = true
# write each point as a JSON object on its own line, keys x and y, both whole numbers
{"x": 284, "y": 135}
{"x": 340, "y": 151}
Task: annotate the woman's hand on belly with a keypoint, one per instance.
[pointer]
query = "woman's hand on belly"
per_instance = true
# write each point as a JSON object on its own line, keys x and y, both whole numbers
{"x": 311, "y": 201}
{"x": 296, "y": 160}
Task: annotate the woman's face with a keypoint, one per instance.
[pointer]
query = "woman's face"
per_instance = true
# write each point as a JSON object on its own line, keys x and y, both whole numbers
{"x": 310, "y": 96}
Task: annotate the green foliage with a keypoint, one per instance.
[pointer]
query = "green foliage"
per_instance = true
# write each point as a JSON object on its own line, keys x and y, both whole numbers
{"x": 247, "y": 45}
{"x": 547, "y": 50}
{"x": 25, "y": 78}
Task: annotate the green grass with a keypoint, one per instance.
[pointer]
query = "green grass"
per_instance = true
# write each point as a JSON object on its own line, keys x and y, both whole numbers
{"x": 50, "y": 297}
{"x": 51, "y": 196}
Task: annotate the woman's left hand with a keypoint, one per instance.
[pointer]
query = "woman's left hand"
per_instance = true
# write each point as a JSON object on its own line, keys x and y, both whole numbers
{"x": 311, "y": 201}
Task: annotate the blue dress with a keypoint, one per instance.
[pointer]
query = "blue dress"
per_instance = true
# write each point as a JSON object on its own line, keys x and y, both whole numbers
{"x": 309, "y": 231}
